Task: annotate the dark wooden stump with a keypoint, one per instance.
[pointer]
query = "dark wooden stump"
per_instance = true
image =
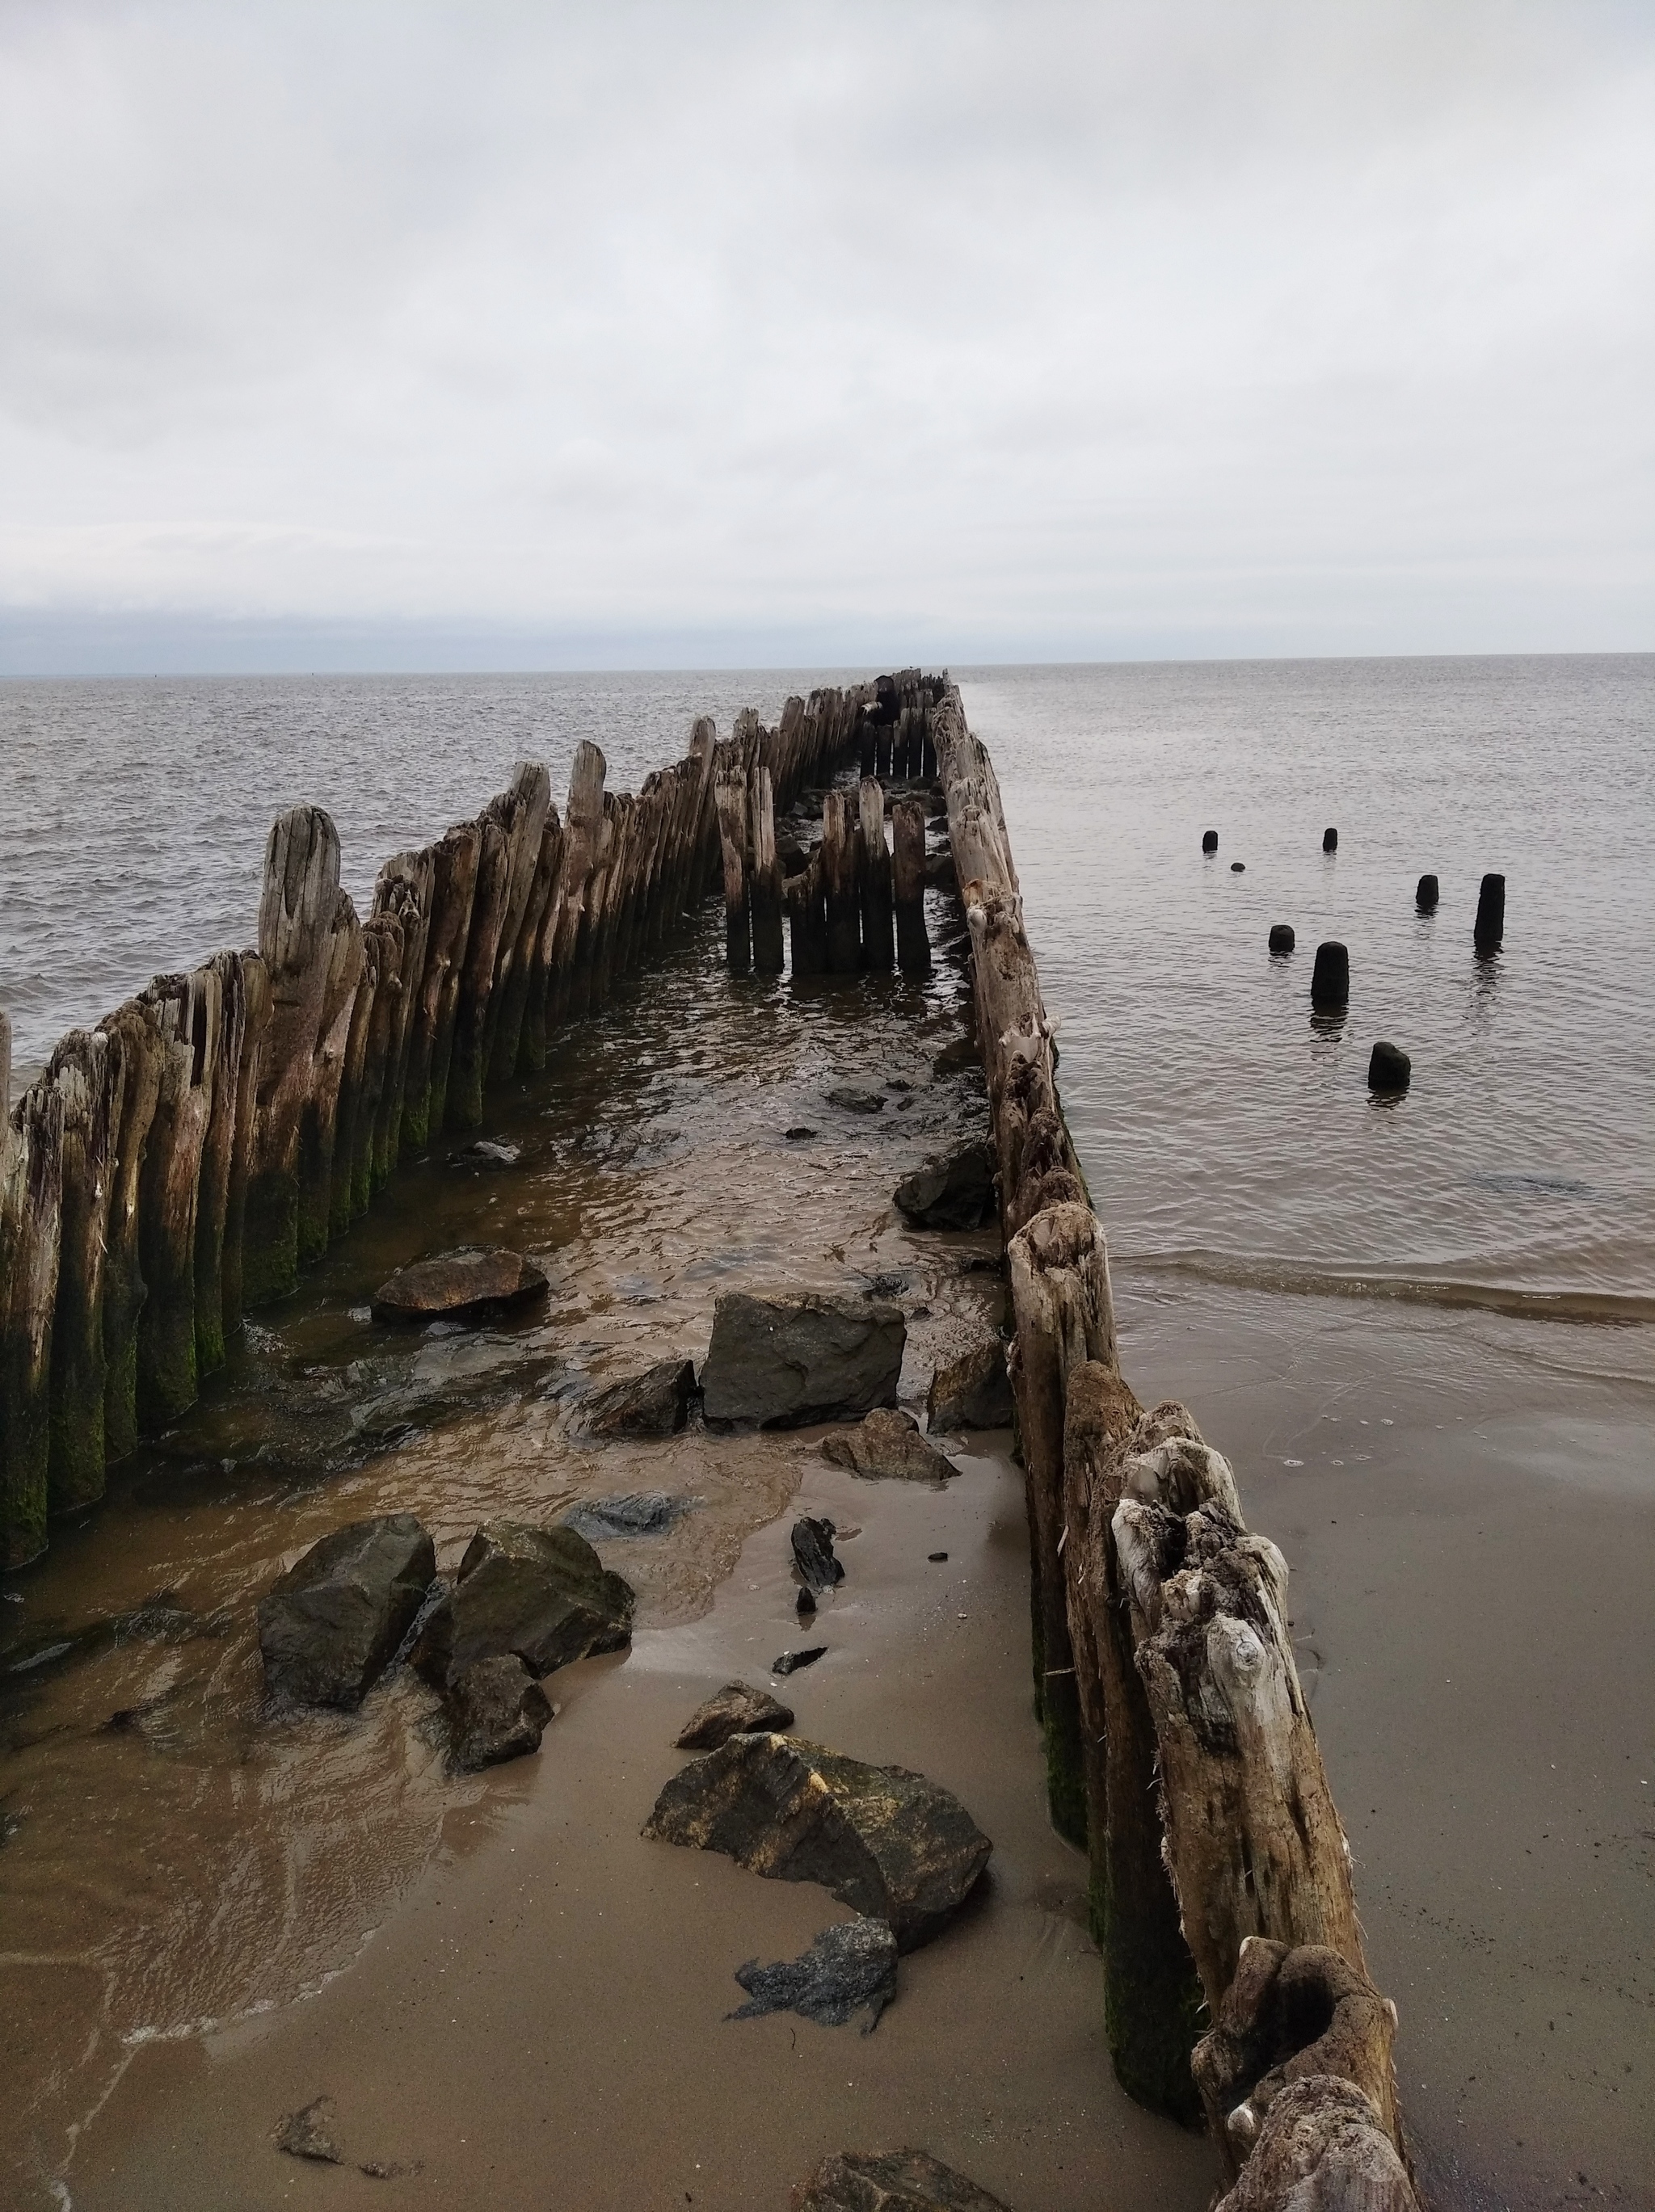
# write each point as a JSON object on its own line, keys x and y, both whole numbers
{"x": 1489, "y": 929}
{"x": 31, "y": 1208}
{"x": 523, "y": 992}
{"x": 217, "y": 1165}
{"x": 908, "y": 886}
{"x": 875, "y": 870}
{"x": 402, "y": 894}
{"x": 454, "y": 880}
{"x": 255, "y": 991}
{"x": 730, "y": 797}
{"x": 88, "y": 1071}
{"x": 1330, "y": 978}
{"x": 379, "y": 974}
{"x": 840, "y": 845}
{"x": 319, "y": 1121}
{"x": 769, "y": 955}
{"x": 185, "y": 1011}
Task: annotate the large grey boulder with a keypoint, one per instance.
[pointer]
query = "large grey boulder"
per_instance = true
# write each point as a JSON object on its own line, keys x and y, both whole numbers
{"x": 541, "y": 1593}
{"x": 886, "y": 1843}
{"x": 464, "y": 1285}
{"x": 776, "y": 1362}
{"x": 890, "y": 2181}
{"x": 887, "y": 1445}
{"x": 497, "y": 1711}
{"x": 653, "y": 1404}
{"x": 329, "y": 1627}
{"x": 954, "y": 1191}
{"x": 973, "y": 1391}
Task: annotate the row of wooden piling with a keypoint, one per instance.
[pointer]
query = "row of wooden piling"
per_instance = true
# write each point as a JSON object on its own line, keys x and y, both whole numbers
{"x": 180, "y": 1162}
{"x": 1179, "y": 1750}
{"x": 852, "y": 901}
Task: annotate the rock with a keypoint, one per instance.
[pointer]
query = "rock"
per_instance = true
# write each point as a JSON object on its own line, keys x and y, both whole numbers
{"x": 893, "y": 2181}
{"x": 888, "y": 1446}
{"x": 805, "y": 1604}
{"x": 329, "y": 1627}
{"x": 497, "y": 1711}
{"x": 778, "y": 1362}
{"x": 308, "y": 2134}
{"x": 736, "y": 1711}
{"x": 1237, "y": 867}
{"x": 791, "y": 1661}
{"x": 656, "y": 1403}
{"x": 886, "y": 1843}
{"x": 1281, "y": 937}
{"x": 971, "y": 1392}
{"x": 813, "y": 1553}
{"x": 848, "y": 1967}
{"x": 632, "y": 1513}
{"x": 798, "y": 1134}
{"x": 856, "y": 1101}
{"x": 956, "y": 1191}
{"x": 961, "y": 1053}
{"x": 936, "y": 1557}
{"x": 1389, "y": 1069}
{"x": 486, "y": 1153}
{"x": 941, "y": 873}
{"x": 459, "y": 1286}
{"x": 542, "y": 1593}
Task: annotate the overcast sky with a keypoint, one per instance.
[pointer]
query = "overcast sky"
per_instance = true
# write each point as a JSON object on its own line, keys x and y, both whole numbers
{"x": 709, "y": 332}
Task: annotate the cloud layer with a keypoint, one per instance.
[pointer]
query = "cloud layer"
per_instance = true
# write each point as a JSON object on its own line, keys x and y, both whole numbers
{"x": 777, "y": 330}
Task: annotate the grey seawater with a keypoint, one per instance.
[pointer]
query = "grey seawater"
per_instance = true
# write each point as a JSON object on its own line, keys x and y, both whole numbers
{"x": 1227, "y": 1132}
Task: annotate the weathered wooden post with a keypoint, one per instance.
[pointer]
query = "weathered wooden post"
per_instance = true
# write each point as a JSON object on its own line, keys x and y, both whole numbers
{"x": 524, "y": 988}
{"x": 508, "y": 845}
{"x": 730, "y": 797}
{"x": 806, "y": 919}
{"x": 402, "y": 894}
{"x": 876, "y": 869}
{"x": 255, "y": 990}
{"x": 342, "y": 1208}
{"x": 769, "y": 957}
{"x": 585, "y": 828}
{"x": 88, "y": 1071}
{"x": 457, "y": 854}
{"x": 1063, "y": 1315}
{"x": 31, "y": 1208}
{"x": 1489, "y": 928}
{"x": 185, "y": 1011}
{"x": 296, "y": 943}
{"x": 318, "y": 1121}
{"x": 1152, "y": 1994}
{"x": 1330, "y": 978}
{"x": 839, "y": 855}
{"x": 908, "y": 884}
{"x": 217, "y": 1162}
{"x": 134, "y": 1036}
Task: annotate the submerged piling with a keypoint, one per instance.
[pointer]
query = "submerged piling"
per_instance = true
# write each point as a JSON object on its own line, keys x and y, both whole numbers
{"x": 1330, "y": 977}
{"x": 1489, "y": 928}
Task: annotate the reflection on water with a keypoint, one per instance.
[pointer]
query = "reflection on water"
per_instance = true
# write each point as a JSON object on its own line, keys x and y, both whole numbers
{"x": 175, "y": 1853}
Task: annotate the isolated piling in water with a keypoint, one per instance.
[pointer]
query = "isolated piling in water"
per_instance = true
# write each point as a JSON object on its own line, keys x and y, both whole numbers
{"x": 1426, "y": 893}
{"x": 318, "y": 1121}
{"x": 769, "y": 957}
{"x": 87, "y": 1072}
{"x": 1209, "y": 841}
{"x": 908, "y": 886}
{"x": 875, "y": 871}
{"x": 185, "y": 1011}
{"x": 730, "y": 799}
{"x": 402, "y": 894}
{"x": 1281, "y": 937}
{"x": 134, "y": 1036}
{"x": 840, "y": 842}
{"x": 218, "y": 1164}
{"x": 31, "y": 1206}
{"x": 296, "y": 932}
{"x": 1490, "y": 926}
{"x": 1329, "y": 840}
{"x": 1389, "y": 1068}
{"x": 1330, "y": 978}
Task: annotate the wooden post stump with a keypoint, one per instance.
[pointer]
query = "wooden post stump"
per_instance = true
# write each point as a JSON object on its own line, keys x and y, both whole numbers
{"x": 523, "y": 995}
{"x": 218, "y": 1164}
{"x": 31, "y": 1207}
{"x": 908, "y": 885}
{"x": 383, "y": 953}
{"x": 318, "y": 1121}
{"x": 404, "y": 894}
{"x": 839, "y": 853}
{"x": 255, "y": 1021}
{"x": 875, "y": 866}
{"x": 808, "y": 918}
{"x": 134, "y": 1036}
{"x": 342, "y": 1208}
{"x": 769, "y": 957}
{"x": 730, "y": 797}
{"x": 87, "y": 1072}
{"x": 185, "y": 1011}
{"x": 509, "y": 846}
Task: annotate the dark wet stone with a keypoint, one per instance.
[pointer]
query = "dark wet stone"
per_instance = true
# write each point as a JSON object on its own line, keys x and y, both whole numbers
{"x": 487, "y": 1152}
{"x": 1330, "y": 978}
{"x": 632, "y": 1513}
{"x": 888, "y": 1446}
{"x": 892, "y": 2181}
{"x": 459, "y": 1286}
{"x": 656, "y": 1403}
{"x": 805, "y": 1604}
{"x": 886, "y": 1842}
{"x": 856, "y": 1101}
{"x": 954, "y": 1191}
{"x": 936, "y": 1557}
{"x": 812, "y": 1552}
{"x": 542, "y": 1593}
{"x": 496, "y": 1712}
{"x": 941, "y": 873}
{"x": 798, "y": 1134}
{"x": 972, "y": 1391}
{"x": 1389, "y": 1068}
{"x": 329, "y": 1627}
{"x": 791, "y": 1661}
{"x": 775, "y": 1363}
{"x": 848, "y": 1968}
{"x": 736, "y": 1711}
{"x": 1281, "y": 937}
{"x": 1237, "y": 867}
{"x": 962, "y": 1053}
{"x": 308, "y": 2134}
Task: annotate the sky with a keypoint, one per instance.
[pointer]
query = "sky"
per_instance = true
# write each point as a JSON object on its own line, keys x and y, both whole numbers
{"x": 714, "y": 334}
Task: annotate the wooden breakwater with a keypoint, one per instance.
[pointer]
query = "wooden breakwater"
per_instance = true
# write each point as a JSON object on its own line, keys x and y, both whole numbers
{"x": 1179, "y": 1750}
{"x": 180, "y": 1162}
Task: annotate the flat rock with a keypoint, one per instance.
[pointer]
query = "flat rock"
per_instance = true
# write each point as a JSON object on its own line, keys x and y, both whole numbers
{"x": 497, "y": 1711}
{"x": 892, "y": 2181}
{"x": 971, "y": 1392}
{"x": 735, "y": 1710}
{"x": 848, "y": 1967}
{"x": 776, "y": 1362}
{"x": 541, "y": 1593}
{"x": 889, "y": 1843}
{"x": 851, "y": 1101}
{"x": 632, "y": 1513}
{"x": 956, "y": 1190}
{"x": 812, "y": 1552}
{"x": 888, "y": 1445}
{"x": 329, "y": 1627}
{"x": 309, "y": 2133}
{"x": 654, "y": 1403}
{"x": 459, "y": 1286}
{"x": 791, "y": 1661}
